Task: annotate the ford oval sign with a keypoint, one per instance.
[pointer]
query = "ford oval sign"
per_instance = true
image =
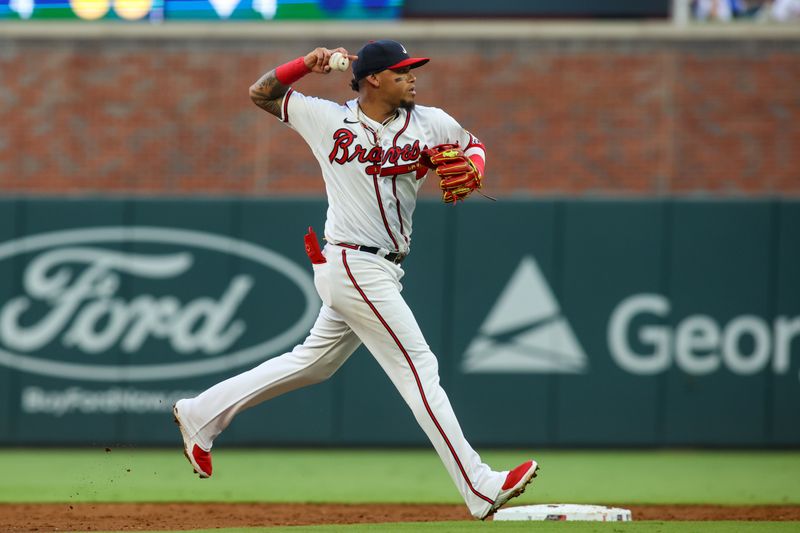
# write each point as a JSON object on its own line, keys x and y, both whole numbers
{"x": 131, "y": 291}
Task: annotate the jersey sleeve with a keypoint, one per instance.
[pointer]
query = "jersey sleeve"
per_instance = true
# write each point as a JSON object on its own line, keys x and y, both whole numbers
{"x": 306, "y": 114}
{"x": 452, "y": 132}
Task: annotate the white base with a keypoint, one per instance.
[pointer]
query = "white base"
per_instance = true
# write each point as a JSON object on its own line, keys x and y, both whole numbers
{"x": 565, "y": 511}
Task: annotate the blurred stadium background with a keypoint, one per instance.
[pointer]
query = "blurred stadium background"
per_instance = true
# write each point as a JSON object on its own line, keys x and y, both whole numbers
{"x": 636, "y": 284}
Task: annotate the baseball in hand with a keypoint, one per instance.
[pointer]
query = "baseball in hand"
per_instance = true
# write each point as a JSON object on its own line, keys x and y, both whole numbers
{"x": 338, "y": 61}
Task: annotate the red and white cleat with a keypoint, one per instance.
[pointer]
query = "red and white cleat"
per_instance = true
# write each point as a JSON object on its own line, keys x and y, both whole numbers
{"x": 199, "y": 458}
{"x": 515, "y": 484}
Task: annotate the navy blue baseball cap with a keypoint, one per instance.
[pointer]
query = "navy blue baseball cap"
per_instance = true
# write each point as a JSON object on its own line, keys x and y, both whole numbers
{"x": 376, "y": 56}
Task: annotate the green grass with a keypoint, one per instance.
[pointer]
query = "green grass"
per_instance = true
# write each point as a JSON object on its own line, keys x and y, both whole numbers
{"x": 365, "y": 476}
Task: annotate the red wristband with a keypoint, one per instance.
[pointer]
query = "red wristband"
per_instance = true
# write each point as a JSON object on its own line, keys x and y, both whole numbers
{"x": 478, "y": 162}
{"x": 290, "y": 72}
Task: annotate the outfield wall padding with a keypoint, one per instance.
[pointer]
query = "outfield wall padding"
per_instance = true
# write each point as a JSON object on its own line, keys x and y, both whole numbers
{"x": 557, "y": 322}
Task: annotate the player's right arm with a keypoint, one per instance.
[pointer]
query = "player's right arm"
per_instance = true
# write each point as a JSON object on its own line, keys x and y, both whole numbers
{"x": 268, "y": 92}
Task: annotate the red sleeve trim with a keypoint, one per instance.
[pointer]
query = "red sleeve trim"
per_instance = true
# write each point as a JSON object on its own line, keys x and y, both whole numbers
{"x": 286, "y": 104}
{"x": 474, "y": 142}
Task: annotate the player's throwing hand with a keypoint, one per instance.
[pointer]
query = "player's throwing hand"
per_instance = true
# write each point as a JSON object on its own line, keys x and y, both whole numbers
{"x": 318, "y": 60}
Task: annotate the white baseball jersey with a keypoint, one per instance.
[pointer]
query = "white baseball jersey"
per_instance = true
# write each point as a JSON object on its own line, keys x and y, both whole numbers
{"x": 372, "y": 178}
{"x": 370, "y": 169}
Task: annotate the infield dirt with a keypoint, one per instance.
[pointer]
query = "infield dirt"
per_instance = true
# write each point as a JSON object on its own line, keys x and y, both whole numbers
{"x": 19, "y": 518}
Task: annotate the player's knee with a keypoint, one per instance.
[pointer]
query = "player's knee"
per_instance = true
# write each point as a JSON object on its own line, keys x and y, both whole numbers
{"x": 426, "y": 363}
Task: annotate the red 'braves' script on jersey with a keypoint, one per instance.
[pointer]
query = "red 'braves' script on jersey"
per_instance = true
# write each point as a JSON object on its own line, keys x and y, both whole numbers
{"x": 350, "y": 146}
{"x": 342, "y": 153}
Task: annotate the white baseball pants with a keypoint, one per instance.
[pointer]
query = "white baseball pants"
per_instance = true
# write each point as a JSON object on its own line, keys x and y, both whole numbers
{"x": 361, "y": 303}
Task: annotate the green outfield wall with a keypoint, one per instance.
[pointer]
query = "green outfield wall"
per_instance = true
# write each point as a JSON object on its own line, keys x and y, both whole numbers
{"x": 557, "y": 322}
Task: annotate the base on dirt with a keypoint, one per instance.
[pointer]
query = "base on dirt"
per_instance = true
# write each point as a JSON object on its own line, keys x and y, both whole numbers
{"x": 565, "y": 511}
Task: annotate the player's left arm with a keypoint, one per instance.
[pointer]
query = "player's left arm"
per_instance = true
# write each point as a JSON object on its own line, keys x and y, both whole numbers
{"x": 476, "y": 152}
{"x": 459, "y": 161}
{"x": 474, "y": 149}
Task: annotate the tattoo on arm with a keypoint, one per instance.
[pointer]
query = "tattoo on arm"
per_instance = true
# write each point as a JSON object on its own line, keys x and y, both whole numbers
{"x": 267, "y": 93}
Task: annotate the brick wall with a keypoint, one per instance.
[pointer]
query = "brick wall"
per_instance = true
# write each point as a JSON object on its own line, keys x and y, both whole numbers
{"x": 168, "y": 116}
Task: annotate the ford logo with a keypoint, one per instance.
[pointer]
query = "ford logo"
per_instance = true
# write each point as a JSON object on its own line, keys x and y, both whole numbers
{"x": 77, "y": 292}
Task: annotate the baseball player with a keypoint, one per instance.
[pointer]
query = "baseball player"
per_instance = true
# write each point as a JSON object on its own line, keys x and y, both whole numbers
{"x": 374, "y": 152}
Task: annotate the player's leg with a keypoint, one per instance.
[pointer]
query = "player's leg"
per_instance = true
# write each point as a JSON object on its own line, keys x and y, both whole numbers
{"x": 373, "y": 306}
{"x": 203, "y": 418}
